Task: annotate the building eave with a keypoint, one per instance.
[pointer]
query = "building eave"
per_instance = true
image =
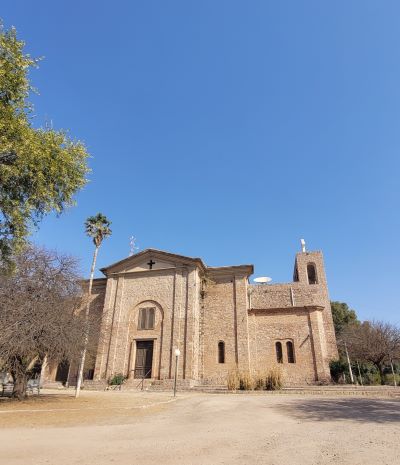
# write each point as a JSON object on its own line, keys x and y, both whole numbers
{"x": 245, "y": 270}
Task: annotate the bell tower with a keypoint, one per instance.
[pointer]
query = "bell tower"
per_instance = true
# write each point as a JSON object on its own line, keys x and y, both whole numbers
{"x": 309, "y": 271}
{"x": 309, "y": 268}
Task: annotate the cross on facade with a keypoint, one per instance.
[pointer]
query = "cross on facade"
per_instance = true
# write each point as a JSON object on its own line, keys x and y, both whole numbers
{"x": 151, "y": 263}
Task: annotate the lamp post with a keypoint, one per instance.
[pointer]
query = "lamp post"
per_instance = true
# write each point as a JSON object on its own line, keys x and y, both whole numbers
{"x": 177, "y": 353}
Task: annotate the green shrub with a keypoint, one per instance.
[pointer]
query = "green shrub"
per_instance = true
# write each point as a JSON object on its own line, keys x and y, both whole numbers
{"x": 389, "y": 379}
{"x": 371, "y": 378}
{"x": 338, "y": 368}
{"x": 117, "y": 379}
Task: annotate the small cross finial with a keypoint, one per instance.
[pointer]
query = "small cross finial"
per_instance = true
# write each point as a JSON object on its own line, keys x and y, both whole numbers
{"x": 303, "y": 245}
{"x": 151, "y": 263}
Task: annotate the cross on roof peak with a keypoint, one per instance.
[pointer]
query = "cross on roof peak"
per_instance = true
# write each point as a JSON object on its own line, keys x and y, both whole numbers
{"x": 151, "y": 263}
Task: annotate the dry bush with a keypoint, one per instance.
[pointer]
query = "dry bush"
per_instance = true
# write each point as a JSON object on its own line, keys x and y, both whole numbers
{"x": 239, "y": 380}
{"x": 273, "y": 379}
{"x": 269, "y": 379}
{"x": 233, "y": 380}
{"x": 259, "y": 378}
{"x": 245, "y": 381}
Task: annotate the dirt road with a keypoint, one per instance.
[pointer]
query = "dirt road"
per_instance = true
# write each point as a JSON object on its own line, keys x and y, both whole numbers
{"x": 202, "y": 429}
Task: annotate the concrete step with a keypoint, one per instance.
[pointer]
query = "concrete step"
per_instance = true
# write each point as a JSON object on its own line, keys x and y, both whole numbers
{"x": 210, "y": 387}
{"x": 314, "y": 390}
{"x": 92, "y": 385}
{"x": 53, "y": 385}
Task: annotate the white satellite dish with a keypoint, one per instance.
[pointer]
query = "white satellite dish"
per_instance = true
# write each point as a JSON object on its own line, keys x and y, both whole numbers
{"x": 263, "y": 280}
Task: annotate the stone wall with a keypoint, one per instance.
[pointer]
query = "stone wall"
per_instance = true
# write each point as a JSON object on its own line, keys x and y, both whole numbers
{"x": 218, "y": 324}
{"x": 173, "y": 293}
{"x": 285, "y": 295}
{"x": 314, "y": 299}
{"x": 198, "y": 307}
{"x": 269, "y": 327}
{"x": 327, "y": 327}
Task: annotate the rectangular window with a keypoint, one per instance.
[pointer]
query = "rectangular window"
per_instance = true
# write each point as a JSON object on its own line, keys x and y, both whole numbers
{"x": 146, "y": 318}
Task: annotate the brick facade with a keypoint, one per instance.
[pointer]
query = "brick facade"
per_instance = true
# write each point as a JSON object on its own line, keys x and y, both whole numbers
{"x": 197, "y": 307}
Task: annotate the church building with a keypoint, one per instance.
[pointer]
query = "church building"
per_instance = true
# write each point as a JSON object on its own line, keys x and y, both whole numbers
{"x": 155, "y": 305}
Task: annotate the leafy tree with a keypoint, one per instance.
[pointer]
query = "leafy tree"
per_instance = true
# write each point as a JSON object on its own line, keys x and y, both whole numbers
{"x": 39, "y": 315}
{"x": 343, "y": 316}
{"x": 98, "y": 228}
{"x": 40, "y": 168}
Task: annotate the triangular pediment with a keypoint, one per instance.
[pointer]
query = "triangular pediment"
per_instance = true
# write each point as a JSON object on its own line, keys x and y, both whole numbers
{"x": 151, "y": 259}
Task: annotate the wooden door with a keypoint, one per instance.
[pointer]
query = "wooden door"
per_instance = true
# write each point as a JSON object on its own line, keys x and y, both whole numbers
{"x": 144, "y": 359}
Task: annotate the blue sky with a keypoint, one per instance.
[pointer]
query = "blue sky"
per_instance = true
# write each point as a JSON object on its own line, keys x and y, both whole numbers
{"x": 229, "y": 130}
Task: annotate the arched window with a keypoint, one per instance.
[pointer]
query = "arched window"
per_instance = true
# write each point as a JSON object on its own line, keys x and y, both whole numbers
{"x": 221, "y": 352}
{"x": 290, "y": 351}
{"x": 278, "y": 348}
{"x": 312, "y": 274}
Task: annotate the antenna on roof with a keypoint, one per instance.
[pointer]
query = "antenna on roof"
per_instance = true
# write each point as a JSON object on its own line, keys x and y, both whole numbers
{"x": 132, "y": 246}
{"x": 262, "y": 280}
{"x": 303, "y": 245}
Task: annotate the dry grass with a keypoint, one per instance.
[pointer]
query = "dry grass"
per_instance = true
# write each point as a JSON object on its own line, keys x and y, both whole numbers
{"x": 273, "y": 380}
{"x": 55, "y": 408}
{"x": 233, "y": 380}
{"x": 267, "y": 379}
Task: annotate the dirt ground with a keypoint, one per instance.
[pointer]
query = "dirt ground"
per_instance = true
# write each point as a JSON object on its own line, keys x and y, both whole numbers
{"x": 199, "y": 429}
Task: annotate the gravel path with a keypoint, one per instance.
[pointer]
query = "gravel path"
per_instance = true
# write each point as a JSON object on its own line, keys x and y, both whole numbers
{"x": 202, "y": 429}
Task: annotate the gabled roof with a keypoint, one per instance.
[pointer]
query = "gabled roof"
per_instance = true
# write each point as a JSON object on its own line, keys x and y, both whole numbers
{"x": 161, "y": 255}
{"x": 154, "y": 253}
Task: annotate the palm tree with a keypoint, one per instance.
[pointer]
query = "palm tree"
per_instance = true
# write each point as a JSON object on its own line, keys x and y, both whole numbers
{"x": 98, "y": 228}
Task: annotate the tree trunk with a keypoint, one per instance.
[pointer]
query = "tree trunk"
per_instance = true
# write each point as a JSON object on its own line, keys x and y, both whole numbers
{"x": 20, "y": 378}
{"x": 381, "y": 373}
{"x": 19, "y": 391}
{"x": 83, "y": 356}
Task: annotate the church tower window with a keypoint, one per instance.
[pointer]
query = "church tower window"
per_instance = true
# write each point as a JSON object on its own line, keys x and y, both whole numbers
{"x": 278, "y": 349}
{"x": 221, "y": 352}
{"x": 146, "y": 318}
{"x": 312, "y": 274}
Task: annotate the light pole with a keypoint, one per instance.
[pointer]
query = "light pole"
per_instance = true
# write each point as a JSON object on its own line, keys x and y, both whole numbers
{"x": 177, "y": 353}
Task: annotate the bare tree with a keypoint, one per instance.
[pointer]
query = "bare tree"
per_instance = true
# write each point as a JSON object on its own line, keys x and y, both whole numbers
{"x": 376, "y": 342}
{"x": 39, "y": 313}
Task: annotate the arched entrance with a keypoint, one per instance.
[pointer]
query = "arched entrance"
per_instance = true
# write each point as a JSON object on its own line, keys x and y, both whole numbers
{"x": 146, "y": 336}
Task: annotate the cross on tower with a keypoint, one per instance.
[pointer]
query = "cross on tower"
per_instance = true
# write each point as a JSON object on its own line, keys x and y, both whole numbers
{"x": 151, "y": 263}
